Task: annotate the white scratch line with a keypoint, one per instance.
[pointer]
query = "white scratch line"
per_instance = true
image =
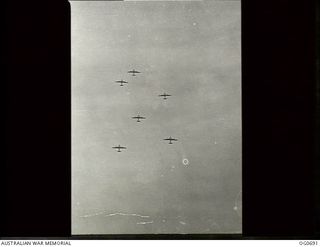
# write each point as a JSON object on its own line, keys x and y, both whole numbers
{"x": 113, "y": 214}
{"x": 182, "y": 223}
{"x": 143, "y": 223}
{"x": 138, "y": 215}
{"x": 91, "y": 215}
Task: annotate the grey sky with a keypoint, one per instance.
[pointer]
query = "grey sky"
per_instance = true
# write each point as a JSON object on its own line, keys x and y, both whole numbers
{"x": 190, "y": 50}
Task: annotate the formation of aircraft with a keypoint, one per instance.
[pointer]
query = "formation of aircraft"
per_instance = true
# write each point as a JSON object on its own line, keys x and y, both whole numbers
{"x": 121, "y": 82}
{"x": 133, "y": 72}
{"x": 170, "y": 139}
{"x": 164, "y": 95}
{"x": 119, "y": 148}
{"x": 138, "y": 118}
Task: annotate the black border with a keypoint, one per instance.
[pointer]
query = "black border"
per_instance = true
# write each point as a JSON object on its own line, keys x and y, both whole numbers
{"x": 279, "y": 106}
{"x": 36, "y": 194}
{"x": 317, "y": 122}
{"x": 278, "y": 117}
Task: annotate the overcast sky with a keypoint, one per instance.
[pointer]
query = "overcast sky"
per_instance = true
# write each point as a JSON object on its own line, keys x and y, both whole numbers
{"x": 189, "y": 49}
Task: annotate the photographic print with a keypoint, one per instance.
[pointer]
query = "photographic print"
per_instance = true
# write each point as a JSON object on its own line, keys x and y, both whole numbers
{"x": 156, "y": 117}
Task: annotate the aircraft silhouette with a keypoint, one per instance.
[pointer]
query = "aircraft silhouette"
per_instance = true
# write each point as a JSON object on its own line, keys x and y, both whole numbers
{"x": 138, "y": 117}
{"x": 121, "y": 82}
{"x": 164, "y": 95}
{"x": 170, "y": 139}
{"x": 119, "y": 148}
{"x": 134, "y": 72}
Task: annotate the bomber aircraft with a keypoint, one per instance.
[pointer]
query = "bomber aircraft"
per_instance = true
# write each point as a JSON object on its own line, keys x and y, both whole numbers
{"x": 133, "y": 72}
{"x": 119, "y": 148}
{"x": 121, "y": 82}
{"x": 164, "y": 95}
{"x": 170, "y": 139}
{"x": 138, "y": 118}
